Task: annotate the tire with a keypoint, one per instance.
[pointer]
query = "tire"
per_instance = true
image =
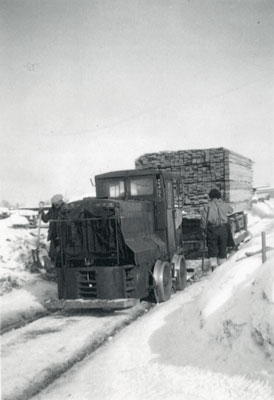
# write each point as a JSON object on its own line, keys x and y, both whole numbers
{"x": 180, "y": 271}
{"x": 163, "y": 280}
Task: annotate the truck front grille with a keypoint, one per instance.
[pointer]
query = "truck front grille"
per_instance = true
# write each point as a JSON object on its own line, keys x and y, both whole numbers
{"x": 86, "y": 284}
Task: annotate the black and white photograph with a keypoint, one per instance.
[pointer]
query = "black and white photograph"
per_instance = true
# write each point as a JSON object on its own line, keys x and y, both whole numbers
{"x": 137, "y": 199}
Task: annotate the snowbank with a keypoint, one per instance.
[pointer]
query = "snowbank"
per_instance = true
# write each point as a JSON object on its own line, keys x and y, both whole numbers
{"x": 263, "y": 209}
{"x": 236, "y": 307}
{"x": 16, "y": 244}
{"x": 4, "y": 212}
{"x": 23, "y": 285}
{"x": 27, "y": 213}
{"x": 26, "y": 303}
{"x": 18, "y": 221}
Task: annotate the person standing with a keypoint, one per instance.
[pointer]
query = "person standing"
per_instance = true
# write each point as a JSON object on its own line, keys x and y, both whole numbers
{"x": 214, "y": 220}
{"x": 52, "y": 216}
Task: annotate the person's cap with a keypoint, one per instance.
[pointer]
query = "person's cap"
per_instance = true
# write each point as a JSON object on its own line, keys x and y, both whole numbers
{"x": 57, "y": 199}
{"x": 214, "y": 194}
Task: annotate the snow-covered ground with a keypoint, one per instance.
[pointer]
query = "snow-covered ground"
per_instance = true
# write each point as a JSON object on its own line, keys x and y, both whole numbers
{"x": 16, "y": 243}
{"x": 215, "y": 340}
{"x": 23, "y": 285}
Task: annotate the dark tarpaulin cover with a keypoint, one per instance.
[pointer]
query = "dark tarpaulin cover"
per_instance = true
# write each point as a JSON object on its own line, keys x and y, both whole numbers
{"x": 91, "y": 231}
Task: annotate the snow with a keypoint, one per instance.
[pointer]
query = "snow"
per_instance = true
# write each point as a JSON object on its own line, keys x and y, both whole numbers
{"x": 22, "y": 285}
{"x": 53, "y": 344}
{"x": 214, "y": 340}
{"x": 4, "y": 212}
{"x": 15, "y": 245}
{"x": 26, "y": 213}
{"x": 263, "y": 209}
{"x": 18, "y": 220}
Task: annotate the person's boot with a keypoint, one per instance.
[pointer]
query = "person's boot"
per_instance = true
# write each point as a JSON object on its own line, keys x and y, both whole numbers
{"x": 221, "y": 260}
{"x": 213, "y": 263}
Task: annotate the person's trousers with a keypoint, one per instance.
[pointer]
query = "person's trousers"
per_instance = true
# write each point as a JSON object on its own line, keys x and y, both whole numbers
{"x": 217, "y": 238}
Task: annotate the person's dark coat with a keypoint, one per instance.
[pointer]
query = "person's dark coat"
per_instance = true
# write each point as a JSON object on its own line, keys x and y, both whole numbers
{"x": 52, "y": 216}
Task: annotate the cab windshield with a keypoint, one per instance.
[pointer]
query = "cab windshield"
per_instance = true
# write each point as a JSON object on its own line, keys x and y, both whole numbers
{"x": 141, "y": 186}
{"x": 112, "y": 188}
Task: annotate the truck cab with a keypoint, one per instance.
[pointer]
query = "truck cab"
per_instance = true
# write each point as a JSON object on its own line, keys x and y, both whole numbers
{"x": 160, "y": 188}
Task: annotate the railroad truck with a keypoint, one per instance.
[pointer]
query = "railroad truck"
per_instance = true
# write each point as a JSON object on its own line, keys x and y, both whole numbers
{"x": 126, "y": 243}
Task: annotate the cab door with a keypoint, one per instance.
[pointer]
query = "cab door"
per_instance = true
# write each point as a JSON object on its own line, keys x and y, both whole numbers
{"x": 170, "y": 216}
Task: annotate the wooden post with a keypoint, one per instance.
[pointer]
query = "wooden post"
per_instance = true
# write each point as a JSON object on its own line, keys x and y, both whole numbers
{"x": 263, "y": 248}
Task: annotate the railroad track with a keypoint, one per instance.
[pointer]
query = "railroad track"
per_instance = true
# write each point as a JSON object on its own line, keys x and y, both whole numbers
{"x": 36, "y": 354}
{"x": 22, "y": 322}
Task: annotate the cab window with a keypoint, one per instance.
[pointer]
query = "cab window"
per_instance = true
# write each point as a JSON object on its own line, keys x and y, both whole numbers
{"x": 112, "y": 188}
{"x": 141, "y": 186}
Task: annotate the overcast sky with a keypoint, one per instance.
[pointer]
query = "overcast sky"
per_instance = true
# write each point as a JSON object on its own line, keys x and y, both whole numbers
{"x": 90, "y": 85}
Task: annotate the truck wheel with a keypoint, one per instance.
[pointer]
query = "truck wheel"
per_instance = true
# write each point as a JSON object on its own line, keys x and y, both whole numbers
{"x": 180, "y": 271}
{"x": 163, "y": 280}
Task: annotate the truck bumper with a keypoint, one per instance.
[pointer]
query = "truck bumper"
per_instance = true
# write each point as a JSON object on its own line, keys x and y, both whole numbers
{"x": 80, "y": 304}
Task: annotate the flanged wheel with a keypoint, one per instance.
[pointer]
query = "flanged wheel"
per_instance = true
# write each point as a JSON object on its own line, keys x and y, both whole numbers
{"x": 163, "y": 280}
{"x": 180, "y": 271}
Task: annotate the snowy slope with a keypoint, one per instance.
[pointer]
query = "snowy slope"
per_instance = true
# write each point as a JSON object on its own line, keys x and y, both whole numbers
{"x": 23, "y": 286}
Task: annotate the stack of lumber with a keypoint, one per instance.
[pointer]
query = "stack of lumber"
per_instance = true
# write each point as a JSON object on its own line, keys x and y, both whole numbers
{"x": 202, "y": 170}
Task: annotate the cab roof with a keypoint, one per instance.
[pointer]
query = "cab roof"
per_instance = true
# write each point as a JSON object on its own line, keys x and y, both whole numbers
{"x": 138, "y": 172}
